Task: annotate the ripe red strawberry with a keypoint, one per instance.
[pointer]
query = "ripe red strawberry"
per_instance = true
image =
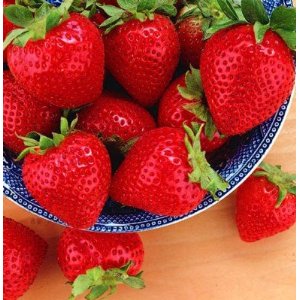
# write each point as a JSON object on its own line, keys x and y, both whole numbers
{"x": 22, "y": 114}
{"x": 191, "y": 40}
{"x": 23, "y": 253}
{"x": 98, "y": 18}
{"x": 113, "y": 116}
{"x": 165, "y": 173}
{"x": 190, "y": 34}
{"x": 183, "y": 102}
{"x": 7, "y": 26}
{"x": 89, "y": 256}
{"x": 71, "y": 177}
{"x": 63, "y": 66}
{"x": 109, "y": 2}
{"x": 248, "y": 71}
{"x": 266, "y": 203}
{"x": 142, "y": 54}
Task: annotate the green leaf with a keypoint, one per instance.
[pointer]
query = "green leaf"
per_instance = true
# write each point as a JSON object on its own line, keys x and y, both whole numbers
{"x": 288, "y": 36}
{"x": 210, "y": 127}
{"x": 57, "y": 138}
{"x": 193, "y": 86}
{"x": 228, "y": 9}
{"x": 18, "y": 15}
{"x": 167, "y": 9}
{"x": 28, "y": 140}
{"x": 141, "y": 16}
{"x": 134, "y": 282}
{"x": 202, "y": 172}
{"x": 81, "y": 284}
{"x": 64, "y": 7}
{"x": 194, "y": 11}
{"x": 96, "y": 292}
{"x": 22, "y": 39}
{"x": 52, "y": 19}
{"x": 90, "y": 3}
{"x": 13, "y": 35}
{"x": 218, "y": 26}
{"x": 95, "y": 273}
{"x": 253, "y": 10}
{"x": 64, "y": 126}
{"x": 126, "y": 267}
{"x": 111, "y": 10}
{"x": 73, "y": 123}
{"x": 259, "y": 31}
{"x": 129, "y": 5}
{"x": 23, "y": 153}
{"x": 284, "y": 18}
{"x": 110, "y": 21}
{"x": 281, "y": 195}
{"x": 38, "y": 29}
{"x": 42, "y": 11}
{"x": 146, "y": 5}
{"x": 292, "y": 190}
{"x": 45, "y": 143}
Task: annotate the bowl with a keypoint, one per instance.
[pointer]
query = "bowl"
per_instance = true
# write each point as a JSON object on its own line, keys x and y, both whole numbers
{"x": 235, "y": 161}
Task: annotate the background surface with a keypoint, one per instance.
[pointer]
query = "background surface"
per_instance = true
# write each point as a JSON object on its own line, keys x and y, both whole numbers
{"x": 200, "y": 258}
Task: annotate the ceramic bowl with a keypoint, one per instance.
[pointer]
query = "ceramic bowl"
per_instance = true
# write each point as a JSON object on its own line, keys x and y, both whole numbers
{"x": 235, "y": 161}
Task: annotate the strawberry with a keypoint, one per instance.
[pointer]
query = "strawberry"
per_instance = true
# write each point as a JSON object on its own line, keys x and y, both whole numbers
{"x": 23, "y": 253}
{"x": 166, "y": 173}
{"x": 7, "y": 26}
{"x": 113, "y": 117}
{"x": 142, "y": 53}
{"x": 22, "y": 114}
{"x": 64, "y": 65}
{"x": 109, "y": 2}
{"x": 100, "y": 261}
{"x": 183, "y": 102}
{"x": 190, "y": 34}
{"x": 266, "y": 203}
{"x": 69, "y": 175}
{"x": 247, "y": 70}
{"x": 98, "y": 18}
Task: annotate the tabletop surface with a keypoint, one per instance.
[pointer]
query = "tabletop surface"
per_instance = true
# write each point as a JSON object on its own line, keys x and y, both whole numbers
{"x": 200, "y": 258}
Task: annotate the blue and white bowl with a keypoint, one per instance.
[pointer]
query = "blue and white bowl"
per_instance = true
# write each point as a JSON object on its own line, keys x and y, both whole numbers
{"x": 235, "y": 162}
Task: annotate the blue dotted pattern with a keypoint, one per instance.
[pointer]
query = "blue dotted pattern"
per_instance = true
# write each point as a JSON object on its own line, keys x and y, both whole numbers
{"x": 234, "y": 162}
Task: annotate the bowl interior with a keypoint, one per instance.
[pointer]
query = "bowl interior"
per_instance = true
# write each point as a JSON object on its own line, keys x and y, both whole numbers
{"x": 234, "y": 161}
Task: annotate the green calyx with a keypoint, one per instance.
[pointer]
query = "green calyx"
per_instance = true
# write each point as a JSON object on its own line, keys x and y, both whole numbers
{"x": 37, "y": 143}
{"x": 285, "y": 182}
{"x": 135, "y": 9}
{"x": 104, "y": 283}
{"x": 35, "y": 19}
{"x": 282, "y": 20}
{"x": 193, "y": 91}
{"x": 202, "y": 173}
{"x": 207, "y": 11}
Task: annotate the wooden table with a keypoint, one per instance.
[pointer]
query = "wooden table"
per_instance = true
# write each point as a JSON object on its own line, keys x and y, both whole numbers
{"x": 198, "y": 259}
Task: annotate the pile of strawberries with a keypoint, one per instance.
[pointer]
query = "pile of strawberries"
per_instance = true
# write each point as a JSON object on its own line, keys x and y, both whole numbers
{"x": 158, "y": 86}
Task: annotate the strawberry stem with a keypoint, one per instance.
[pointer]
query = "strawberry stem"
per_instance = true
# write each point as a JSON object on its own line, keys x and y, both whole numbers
{"x": 202, "y": 172}
{"x": 193, "y": 91}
